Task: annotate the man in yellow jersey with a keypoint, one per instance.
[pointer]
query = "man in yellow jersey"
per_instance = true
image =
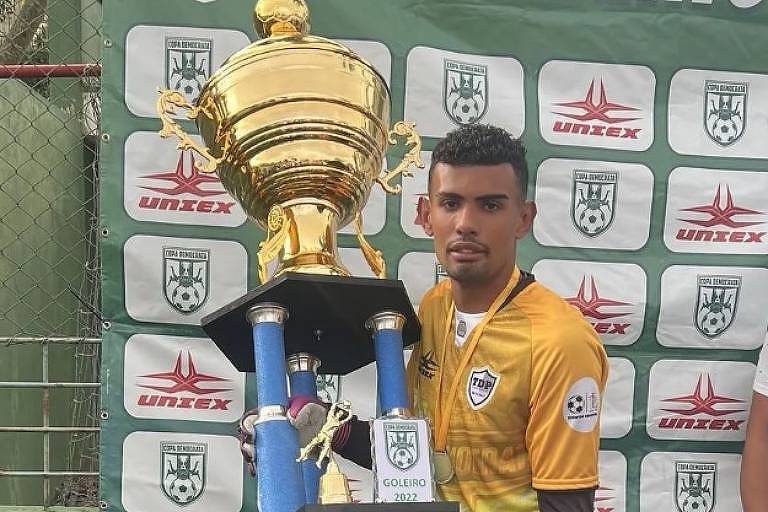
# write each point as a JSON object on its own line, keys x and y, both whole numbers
{"x": 509, "y": 374}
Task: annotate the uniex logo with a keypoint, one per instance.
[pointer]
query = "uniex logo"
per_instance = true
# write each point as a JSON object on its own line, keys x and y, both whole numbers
{"x": 427, "y": 365}
{"x": 465, "y": 91}
{"x": 716, "y": 301}
{"x": 725, "y": 111}
{"x": 596, "y": 116}
{"x": 703, "y": 409}
{"x": 721, "y": 220}
{"x": 695, "y": 486}
{"x": 183, "y": 471}
{"x": 185, "y": 277}
{"x": 187, "y": 65}
{"x": 593, "y": 201}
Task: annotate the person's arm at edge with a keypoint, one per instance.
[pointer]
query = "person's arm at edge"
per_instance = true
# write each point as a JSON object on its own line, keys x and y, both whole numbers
{"x": 754, "y": 491}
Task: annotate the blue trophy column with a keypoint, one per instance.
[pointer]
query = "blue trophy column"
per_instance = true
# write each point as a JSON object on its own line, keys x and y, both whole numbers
{"x": 302, "y": 374}
{"x": 276, "y": 446}
{"x": 387, "y": 330}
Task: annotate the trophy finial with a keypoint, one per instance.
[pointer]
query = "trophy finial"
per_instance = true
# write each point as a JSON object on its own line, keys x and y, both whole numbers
{"x": 281, "y": 18}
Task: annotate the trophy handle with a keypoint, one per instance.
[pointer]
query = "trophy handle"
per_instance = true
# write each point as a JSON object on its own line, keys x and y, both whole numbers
{"x": 279, "y": 224}
{"x": 413, "y": 156}
{"x": 373, "y": 256}
{"x": 166, "y": 107}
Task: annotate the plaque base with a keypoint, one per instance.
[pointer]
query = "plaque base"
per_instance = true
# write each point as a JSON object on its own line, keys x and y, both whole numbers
{"x": 327, "y": 316}
{"x": 445, "y": 506}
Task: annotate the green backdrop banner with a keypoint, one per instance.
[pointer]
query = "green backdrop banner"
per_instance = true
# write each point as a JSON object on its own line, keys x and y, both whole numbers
{"x": 645, "y": 123}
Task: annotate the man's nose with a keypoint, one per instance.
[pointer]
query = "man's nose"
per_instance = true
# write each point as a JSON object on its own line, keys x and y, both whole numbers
{"x": 466, "y": 221}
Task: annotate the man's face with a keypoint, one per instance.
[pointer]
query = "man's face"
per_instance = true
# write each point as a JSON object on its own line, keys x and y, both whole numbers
{"x": 476, "y": 215}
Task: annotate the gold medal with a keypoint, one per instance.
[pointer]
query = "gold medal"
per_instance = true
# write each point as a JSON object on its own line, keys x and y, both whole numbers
{"x": 443, "y": 468}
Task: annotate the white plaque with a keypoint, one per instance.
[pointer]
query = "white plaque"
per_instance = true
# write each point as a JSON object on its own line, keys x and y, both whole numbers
{"x": 402, "y": 462}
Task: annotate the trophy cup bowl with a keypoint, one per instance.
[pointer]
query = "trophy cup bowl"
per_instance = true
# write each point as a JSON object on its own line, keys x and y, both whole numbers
{"x": 296, "y": 127}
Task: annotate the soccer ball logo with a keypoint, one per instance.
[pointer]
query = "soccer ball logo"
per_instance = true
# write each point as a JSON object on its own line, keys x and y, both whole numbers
{"x": 715, "y": 312}
{"x": 576, "y": 404}
{"x": 465, "y": 96}
{"x": 725, "y": 111}
{"x": 183, "y": 471}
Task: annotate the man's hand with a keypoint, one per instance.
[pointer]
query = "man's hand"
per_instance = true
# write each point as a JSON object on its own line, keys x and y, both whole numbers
{"x": 307, "y": 414}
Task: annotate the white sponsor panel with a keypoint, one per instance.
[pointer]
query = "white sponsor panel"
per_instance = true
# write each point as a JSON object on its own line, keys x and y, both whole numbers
{"x": 162, "y": 184}
{"x": 180, "y": 378}
{"x": 177, "y": 58}
{"x": 419, "y": 271}
{"x": 716, "y": 211}
{"x": 165, "y": 471}
{"x": 413, "y": 196}
{"x": 180, "y": 280}
{"x": 690, "y": 482}
{"x": 600, "y": 205}
{"x": 616, "y": 416}
{"x": 611, "y": 296}
{"x": 611, "y": 496}
{"x": 597, "y": 105}
{"x": 374, "y": 212}
{"x": 353, "y": 259}
{"x": 699, "y": 400}
{"x": 375, "y": 53}
{"x": 718, "y": 113}
{"x": 713, "y": 307}
{"x": 445, "y": 90}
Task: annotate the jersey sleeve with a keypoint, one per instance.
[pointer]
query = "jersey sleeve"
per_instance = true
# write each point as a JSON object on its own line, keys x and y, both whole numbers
{"x": 761, "y": 376}
{"x": 569, "y": 370}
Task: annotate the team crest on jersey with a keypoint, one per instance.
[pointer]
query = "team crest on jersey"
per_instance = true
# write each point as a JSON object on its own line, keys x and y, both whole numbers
{"x": 183, "y": 478}
{"x": 725, "y": 110}
{"x": 328, "y": 388}
{"x": 185, "y": 277}
{"x": 465, "y": 91}
{"x": 187, "y": 65}
{"x": 402, "y": 444}
{"x": 695, "y": 486}
{"x": 716, "y": 301}
{"x": 481, "y": 385}
{"x": 593, "y": 201}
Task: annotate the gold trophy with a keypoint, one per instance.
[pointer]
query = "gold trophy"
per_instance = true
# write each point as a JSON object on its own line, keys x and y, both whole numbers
{"x": 296, "y": 127}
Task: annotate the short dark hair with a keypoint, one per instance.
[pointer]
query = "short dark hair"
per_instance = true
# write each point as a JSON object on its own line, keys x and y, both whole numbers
{"x": 482, "y": 144}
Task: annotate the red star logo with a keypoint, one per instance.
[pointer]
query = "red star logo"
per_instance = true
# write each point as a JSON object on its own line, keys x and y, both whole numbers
{"x": 721, "y": 216}
{"x": 704, "y": 404}
{"x": 591, "y": 307}
{"x": 187, "y": 180}
{"x": 182, "y": 382}
{"x": 596, "y": 111}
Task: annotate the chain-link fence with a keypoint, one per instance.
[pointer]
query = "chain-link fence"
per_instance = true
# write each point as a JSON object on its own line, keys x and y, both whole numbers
{"x": 49, "y": 261}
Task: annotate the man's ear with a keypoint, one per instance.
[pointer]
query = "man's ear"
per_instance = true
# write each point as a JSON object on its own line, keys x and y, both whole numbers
{"x": 423, "y": 215}
{"x": 527, "y": 216}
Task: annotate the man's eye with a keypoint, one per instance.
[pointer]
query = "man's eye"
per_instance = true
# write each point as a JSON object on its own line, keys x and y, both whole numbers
{"x": 450, "y": 204}
{"x": 491, "y": 207}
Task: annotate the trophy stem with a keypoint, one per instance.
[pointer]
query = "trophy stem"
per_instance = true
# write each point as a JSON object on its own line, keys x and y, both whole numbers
{"x": 310, "y": 246}
{"x": 302, "y": 375}
{"x": 387, "y": 327}
{"x": 279, "y": 478}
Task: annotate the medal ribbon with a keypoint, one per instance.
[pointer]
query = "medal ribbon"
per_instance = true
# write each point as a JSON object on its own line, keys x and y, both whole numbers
{"x": 443, "y": 409}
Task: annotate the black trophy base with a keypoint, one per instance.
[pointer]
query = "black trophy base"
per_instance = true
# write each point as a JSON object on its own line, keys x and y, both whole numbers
{"x": 326, "y": 318}
{"x": 445, "y": 506}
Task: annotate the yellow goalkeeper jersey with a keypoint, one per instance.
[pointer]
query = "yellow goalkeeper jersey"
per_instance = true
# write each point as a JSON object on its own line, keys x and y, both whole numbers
{"x": 526, "y": 414}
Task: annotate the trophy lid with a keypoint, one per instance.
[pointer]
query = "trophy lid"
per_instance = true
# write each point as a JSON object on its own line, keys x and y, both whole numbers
{"x": 283, "y": 25}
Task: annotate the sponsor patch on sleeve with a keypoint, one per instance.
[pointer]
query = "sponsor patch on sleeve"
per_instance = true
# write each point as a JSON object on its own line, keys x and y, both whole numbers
{"x": 581, "y": 405}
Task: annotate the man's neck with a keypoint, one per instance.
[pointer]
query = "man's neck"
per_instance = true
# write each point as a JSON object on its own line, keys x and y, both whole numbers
{"x": 477, "y": 298}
